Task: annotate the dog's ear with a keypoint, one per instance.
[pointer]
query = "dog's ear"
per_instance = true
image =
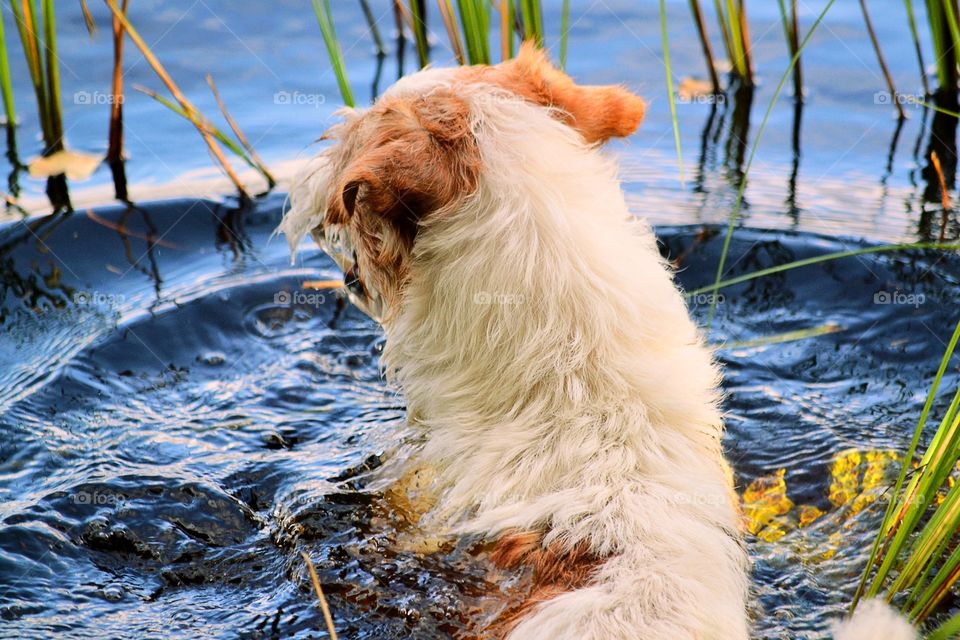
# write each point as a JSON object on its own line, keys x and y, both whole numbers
{"x": 597, "y": 112}
{"x": 422, "y": 157}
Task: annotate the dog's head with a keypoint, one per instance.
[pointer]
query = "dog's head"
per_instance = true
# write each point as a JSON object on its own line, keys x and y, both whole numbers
{"x": 413, "y": 157}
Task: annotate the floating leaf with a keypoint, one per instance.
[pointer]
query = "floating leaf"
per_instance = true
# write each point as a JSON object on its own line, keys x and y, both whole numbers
{"x": 692, "y": 88}
{"x": 322, "y": 284}
{"x": 809, "y": 514}
{"x": 76, "y": 165}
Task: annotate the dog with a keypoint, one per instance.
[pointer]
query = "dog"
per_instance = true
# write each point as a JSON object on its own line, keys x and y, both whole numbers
{"x": 570, "y": 406}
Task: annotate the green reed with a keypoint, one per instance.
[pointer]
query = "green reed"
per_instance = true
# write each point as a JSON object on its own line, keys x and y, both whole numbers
{"x": 732, "y": 17}
{"x": 945, "y": 36}
{"x": 44, "y": 69}
{"x": 325, "y": 19}
{"x": 915, "y": 556}
{"x": 6, "y": 85}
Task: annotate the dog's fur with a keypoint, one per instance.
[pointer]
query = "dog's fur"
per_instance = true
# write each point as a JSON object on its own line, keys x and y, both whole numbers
{"x": 570, "y": 405}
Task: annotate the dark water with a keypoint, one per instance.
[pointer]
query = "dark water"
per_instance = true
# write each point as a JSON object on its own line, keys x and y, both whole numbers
{"x": 173, "y": 436}
{"x": 173, "y": 433}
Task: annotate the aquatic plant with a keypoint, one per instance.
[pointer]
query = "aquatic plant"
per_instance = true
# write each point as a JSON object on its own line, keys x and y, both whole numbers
{"x": 115, "y": 137}
{"x": 187, "y": 110}
{"x": 671, "y": 96}
{"x": 6, "y": 86}
{"x": 732, "y": 17}
{"x": 475, "y": 21}
{"x": 468, "y": 25}
{"x": 251, "y": 156}
{"x": 915, "y": 558}
{"x": 894, "y": 94}
{"x": 945, "y": 36}
{"x": 44, "y": 70}
{"x": 325, "y": 19}
{"x": 372, "y": 25}
{"x": 701, "y": 25}
{"x": 324, "y": 608}
{"x": 212, "y": 130}
{"x": 791, "y": 30}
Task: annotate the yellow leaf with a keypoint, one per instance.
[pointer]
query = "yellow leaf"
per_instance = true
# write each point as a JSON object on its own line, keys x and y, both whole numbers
{"x": 76, "y": 166}
{"x": 322, "y": 284}
{"x": 690, "y": 88}
{"x": 809, "y": 514}
{"x": 765, "y": 499}
{"x": 845, "y": 474}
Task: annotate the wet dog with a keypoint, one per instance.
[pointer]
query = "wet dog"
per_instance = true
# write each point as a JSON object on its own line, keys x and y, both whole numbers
{"x": 570, "y": 408}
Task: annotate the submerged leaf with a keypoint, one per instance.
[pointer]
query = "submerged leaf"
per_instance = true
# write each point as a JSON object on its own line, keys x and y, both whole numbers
{"x": 763, "y": 500}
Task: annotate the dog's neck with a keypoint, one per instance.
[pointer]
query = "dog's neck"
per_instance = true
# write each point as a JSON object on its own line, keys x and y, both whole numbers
{"x": 541, "y": 340}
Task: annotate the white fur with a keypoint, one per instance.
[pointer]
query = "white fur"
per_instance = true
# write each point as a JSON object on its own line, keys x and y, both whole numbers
{"x": 544, "y": 348}
{"x": 874, "y": 620}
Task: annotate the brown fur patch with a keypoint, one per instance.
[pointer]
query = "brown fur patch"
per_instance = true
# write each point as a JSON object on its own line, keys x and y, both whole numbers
{"x": 555, "y": 569}
{"x": 597, "y": 112}
{"x": 409, "y": 158}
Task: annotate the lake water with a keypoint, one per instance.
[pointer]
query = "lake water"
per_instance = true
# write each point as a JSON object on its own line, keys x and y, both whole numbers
{"x": 173, "y": 432}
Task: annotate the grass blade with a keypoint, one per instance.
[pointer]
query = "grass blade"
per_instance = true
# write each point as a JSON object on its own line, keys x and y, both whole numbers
{"x": 668, "y": 69}
{"x": 792, "y": 33}
{"x": 6, "y": 85}
{"x": 372, "y": 25}
{"x": 325, "y": 20}
{"x": 115, "y": 145}
{"x": 450, "y": 24}
{"x": 532, "y": 21}
{"x": 739, "y": 59}
{"x": 54, "y": 109}
{"x": 419, "y": 27}
{"x": 724, "y": 32}
{"x": 475, "y": 24}
{"x": 564, "y": 32}
{"x": 88, "y": 18}
{"x": 946, "y": 631}
{"x": 697, "y": 12}
{"x": 912, "y": 21}
{"x": 319, "y": 590}
{"x": 25, "y": 17}
{"x": 827, "y": 257}
{"x": 251, "y": 157}
{"x": 208, "y": 127}
{"x": 894, "y": 95}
